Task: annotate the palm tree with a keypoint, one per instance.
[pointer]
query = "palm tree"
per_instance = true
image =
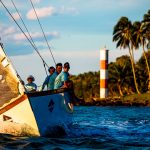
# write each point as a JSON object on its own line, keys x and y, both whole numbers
{"x": 120, "y": 74}
{"x": 142, "y": 72}
{"x": 122, "y": 34}
{"x": 146, "y": 21}
{"x": 139, "y": 35}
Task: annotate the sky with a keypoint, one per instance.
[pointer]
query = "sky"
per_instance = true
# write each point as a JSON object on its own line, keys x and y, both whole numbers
{"x": 76, "y": 30}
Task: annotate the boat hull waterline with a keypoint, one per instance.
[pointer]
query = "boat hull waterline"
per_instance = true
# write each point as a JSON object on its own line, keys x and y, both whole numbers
{"x": 36, "y": 113}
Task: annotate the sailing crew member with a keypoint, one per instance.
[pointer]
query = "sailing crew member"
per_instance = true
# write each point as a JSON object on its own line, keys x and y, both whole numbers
{"x": 62, "y": 79}
{"x": 49, "y": 80}
{"x": 30, "y": 86}
{"x": 57, "y": 72}
{"x": 58, "y": 68}
{"x": 53, "y": 76}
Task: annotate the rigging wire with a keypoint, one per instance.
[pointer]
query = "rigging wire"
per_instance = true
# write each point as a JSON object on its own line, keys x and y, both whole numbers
{"x": 23, "y": 22}
{"x": 24, "y": 33}
{"x": 28, "y": 32}
{"x": 43, "y": 31}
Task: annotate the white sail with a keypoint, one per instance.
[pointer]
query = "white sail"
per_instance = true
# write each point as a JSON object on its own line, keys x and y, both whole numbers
{"x": 10, "y": 86}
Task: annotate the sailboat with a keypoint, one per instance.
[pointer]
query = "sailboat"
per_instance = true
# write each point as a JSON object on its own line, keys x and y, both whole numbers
{"x": 36, "y": 113}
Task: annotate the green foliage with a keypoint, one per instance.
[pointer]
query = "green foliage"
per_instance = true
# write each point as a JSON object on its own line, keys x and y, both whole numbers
{"x": 122, "y": 33}
{"x": 120, "y": 75}
{"x": 143, "y": 72}
{"x": 87, "y": 85}
{"x": 132, "y": 36}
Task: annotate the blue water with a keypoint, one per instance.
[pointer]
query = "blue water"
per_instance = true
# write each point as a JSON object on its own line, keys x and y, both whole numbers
{"x": 94, "y": 128}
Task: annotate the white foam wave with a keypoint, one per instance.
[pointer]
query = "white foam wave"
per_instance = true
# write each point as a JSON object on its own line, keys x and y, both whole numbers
{"x": 17, "y": 129}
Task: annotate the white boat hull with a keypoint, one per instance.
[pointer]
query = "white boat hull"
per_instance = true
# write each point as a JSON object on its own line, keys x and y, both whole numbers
{"x": 38, "y": 112}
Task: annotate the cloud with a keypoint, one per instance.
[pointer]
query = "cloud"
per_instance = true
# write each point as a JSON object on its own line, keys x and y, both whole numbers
{"x": 12, "y": 34}
{"x": 41, "y": 12}
{"x": 50, "y": 11}
{"x": 16, "y": 43}
{"x": 36, "y": 35}
{"x": 9, "y": 5}
{"x": 16, "y": 16}
{"x": 7, "y": 32}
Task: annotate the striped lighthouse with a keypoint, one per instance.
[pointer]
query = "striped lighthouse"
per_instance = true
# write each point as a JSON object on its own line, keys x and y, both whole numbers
{"x": 103, "y": 73}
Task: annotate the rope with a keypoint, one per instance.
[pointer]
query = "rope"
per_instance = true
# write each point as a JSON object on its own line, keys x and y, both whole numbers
{"x": 23, "y": 33}
{"x": 23, "y": 22}
{"x": 28, "y": 33}
{"x": 42, "y": 31}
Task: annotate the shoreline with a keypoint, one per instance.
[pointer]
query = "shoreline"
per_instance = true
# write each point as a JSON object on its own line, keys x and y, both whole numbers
{"x": 128, "y": 100}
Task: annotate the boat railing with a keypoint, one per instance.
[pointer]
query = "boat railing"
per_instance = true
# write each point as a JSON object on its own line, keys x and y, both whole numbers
{"x": 48, "y": 92}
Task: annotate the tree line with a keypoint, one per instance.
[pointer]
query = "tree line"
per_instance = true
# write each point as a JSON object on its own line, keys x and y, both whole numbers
{"x": 120, "y": 79}
{"x": 133, "y": 35}
{"x": 125, "y": 75}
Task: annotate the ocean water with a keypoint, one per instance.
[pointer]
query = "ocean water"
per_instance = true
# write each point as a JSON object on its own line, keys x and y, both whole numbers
{"x": 93, "y": 128}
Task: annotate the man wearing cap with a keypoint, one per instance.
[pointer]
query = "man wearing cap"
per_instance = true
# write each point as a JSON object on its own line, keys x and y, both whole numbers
{"x": 62, "y": 78}
{"x": 30, "y": 86}
{"x": 49, "y": 81}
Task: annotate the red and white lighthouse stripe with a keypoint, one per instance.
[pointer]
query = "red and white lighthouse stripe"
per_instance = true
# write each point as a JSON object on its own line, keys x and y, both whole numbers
{"x": 103, "y": 73}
